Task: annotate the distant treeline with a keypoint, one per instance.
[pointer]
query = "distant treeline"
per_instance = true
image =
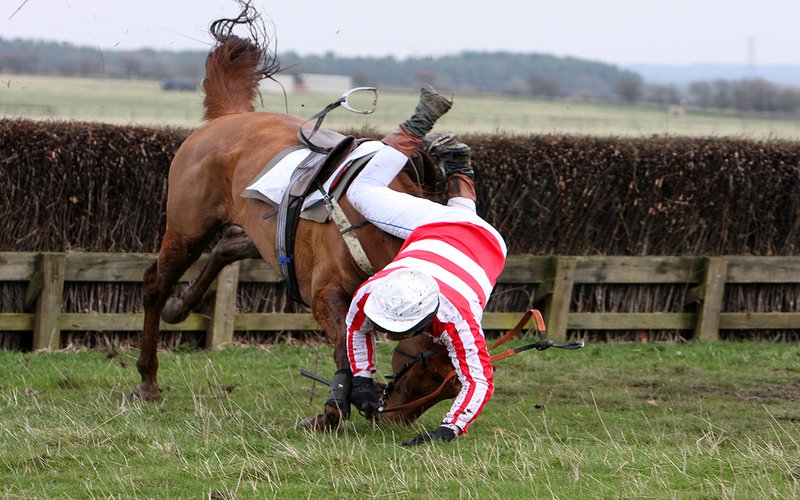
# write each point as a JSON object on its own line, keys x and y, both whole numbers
{"x": 495, "y": 72}
{"x": 538, "y": 75}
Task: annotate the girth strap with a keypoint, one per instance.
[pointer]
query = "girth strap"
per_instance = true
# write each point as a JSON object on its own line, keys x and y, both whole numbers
{"x": 288, "y": 217}
{"x": 345, "y": 229}
{"x": 311, "y": 174}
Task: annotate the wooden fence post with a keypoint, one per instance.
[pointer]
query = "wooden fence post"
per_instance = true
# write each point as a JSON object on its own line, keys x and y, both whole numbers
{"x": 220, "y": 328}
{"x": 710, "y": 292}
{"x": 46, "y": 332}
{"x": 556, "y": 309}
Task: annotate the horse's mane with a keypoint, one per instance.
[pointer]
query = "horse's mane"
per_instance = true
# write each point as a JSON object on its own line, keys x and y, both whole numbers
{"x": 236, "y": 65}
{"x": 425, "y": 174}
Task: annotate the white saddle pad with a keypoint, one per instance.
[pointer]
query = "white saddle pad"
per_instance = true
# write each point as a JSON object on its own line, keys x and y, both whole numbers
{"x": 273, "y": 184}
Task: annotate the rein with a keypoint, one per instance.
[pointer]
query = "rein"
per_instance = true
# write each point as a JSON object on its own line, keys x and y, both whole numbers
{"x": 420, "y": 358}
{"x": 542, "y": 344}
{"x": 403, "y": 369}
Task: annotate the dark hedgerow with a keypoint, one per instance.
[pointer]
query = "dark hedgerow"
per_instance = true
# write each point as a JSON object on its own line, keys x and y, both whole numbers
{"x": 83, "y": 186}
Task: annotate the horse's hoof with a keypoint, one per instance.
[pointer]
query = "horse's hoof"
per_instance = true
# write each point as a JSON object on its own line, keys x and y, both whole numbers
{"x": 319, "y": 423}
{"x": 174, "y": 311}
{"x": 146, "y": 395}
{"x": 232, "y": 231}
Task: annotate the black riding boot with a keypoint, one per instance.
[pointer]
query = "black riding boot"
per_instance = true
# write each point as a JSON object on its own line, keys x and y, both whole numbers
{"x": 430, "y": 108}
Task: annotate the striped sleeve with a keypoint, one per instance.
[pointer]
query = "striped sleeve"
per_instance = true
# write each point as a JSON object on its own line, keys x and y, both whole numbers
{"x": 360, "y": 339}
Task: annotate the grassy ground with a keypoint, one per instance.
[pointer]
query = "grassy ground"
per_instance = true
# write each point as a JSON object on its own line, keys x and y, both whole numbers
{"x": 143, "y": 102}
{"x": 694, "y": 420}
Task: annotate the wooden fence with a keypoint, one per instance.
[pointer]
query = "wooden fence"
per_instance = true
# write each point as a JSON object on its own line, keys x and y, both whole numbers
{"x": 554, "y": 277}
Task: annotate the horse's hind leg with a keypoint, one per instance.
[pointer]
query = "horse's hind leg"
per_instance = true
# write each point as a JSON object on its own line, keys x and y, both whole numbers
{"x": 175, "y": 257}
{"x": 234, "y": 245}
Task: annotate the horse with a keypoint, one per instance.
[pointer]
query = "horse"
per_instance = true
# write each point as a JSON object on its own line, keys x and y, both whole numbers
{"x": 211, "y": 168}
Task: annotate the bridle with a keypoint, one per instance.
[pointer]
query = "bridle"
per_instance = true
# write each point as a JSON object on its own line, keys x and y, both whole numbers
{"x": 413, "y": 360}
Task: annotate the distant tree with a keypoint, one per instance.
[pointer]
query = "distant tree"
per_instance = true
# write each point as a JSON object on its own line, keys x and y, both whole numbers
{"x": 745, "y": 95}
{"x": 90, "y": 65}
{"x": 723, "y": 94}
{"x": 361, "y": 79}
{"x": 17, "y": 63}
{"x": 630, "y": 87}
{"x": 423, "y": 76}
{"x": 545, "y": 86}
{"x": 788, "y": 100}
{"x": 662, "y": 94}
{"x": 516, "y": 86}
{"x": 701, "y": 94}
{"x": 131, "y": 65}
{"x": 755, "y": 95}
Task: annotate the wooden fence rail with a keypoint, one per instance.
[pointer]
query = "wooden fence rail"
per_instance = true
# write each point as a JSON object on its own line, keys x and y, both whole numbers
{"x": 554, "y": 277}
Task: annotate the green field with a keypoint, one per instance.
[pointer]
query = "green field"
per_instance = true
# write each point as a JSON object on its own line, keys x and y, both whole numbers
{"x": 692, "y": 420}
{"x": 144, "y": 103}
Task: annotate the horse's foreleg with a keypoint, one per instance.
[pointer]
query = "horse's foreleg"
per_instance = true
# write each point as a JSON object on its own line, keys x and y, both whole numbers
{"x": 329, "y": 308}
{"x": 234, "y": 245}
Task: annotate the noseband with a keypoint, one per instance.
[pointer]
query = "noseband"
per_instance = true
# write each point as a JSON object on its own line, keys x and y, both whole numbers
{"x": 393, "y": 379}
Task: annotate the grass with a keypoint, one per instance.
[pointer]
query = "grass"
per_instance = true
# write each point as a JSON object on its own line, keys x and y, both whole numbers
{"x": 143, "y": 102}
{"x": 710, "y": 420}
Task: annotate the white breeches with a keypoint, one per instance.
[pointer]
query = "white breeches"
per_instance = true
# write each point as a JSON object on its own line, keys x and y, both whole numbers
{"x": 399, "y": 213}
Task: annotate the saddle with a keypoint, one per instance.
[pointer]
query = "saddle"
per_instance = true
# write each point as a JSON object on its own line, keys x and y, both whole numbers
{"x": 328, "y": 151}
{"x": 310, "y": 175}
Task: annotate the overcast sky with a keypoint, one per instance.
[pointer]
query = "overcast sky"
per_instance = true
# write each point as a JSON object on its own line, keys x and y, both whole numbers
{"x": 614, "y": 31}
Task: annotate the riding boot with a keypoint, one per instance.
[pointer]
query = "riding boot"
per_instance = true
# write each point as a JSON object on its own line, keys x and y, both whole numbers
{"x": 408, "y": 136}
{"x": 403, "y": 140}
{"x": 430, "y": 108}
{"x": 339, "y": 397}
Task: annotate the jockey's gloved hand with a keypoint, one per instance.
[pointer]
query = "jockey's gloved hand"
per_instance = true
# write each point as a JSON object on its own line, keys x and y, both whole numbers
{"x": 364, "y": 397}
{"x": 442, "y": 433}
{"x": 454, "y": 156}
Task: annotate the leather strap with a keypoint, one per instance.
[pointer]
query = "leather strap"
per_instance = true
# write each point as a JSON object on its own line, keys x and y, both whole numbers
{"x": 345, "y": 229}
{"x": 539, "y": 324}
{"x": 288, "y": 217}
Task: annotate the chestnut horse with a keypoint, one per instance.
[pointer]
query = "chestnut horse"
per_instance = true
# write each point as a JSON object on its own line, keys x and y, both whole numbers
{"x": 209, "y": 171}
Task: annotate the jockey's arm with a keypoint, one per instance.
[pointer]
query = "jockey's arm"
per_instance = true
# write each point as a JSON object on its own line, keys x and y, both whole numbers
{"x": 360, "y": 339}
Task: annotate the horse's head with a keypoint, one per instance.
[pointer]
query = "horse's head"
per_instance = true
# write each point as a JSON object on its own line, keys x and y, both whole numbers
{"x": 419, "y": 368}
{"x": 425, "y": 178}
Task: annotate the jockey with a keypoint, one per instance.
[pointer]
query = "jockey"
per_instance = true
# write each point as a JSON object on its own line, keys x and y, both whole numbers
{"x": 440, "y": 280}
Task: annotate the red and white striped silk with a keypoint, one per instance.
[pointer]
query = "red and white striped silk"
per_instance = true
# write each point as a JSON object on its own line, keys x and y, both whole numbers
{"x": 465, "y": 259}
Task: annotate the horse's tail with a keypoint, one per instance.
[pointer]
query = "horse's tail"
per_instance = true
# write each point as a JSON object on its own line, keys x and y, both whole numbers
{"x": 236, "y": 65}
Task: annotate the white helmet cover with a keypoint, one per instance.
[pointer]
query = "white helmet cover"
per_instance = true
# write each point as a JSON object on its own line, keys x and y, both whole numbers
{"x": 402, "y": 299}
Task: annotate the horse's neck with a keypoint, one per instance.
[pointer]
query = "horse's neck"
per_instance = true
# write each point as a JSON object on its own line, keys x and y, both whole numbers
{"x": 413, "y": 183}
